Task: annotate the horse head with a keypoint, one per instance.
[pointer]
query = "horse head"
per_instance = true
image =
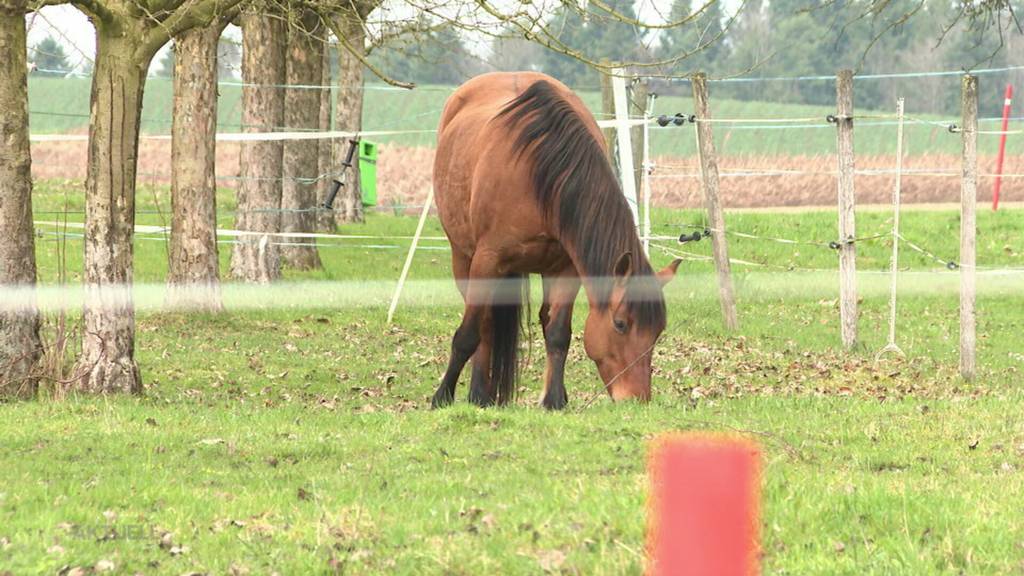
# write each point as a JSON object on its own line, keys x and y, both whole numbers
{"x": 620, "y": 334}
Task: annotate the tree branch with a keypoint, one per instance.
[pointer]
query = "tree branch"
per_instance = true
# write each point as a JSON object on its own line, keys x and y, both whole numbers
{"x": 190, "y": 14}
{"x": 341, "y": 35}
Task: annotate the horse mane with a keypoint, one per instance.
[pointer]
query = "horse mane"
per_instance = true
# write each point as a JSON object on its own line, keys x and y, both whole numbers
{"x": 580, "y": 196}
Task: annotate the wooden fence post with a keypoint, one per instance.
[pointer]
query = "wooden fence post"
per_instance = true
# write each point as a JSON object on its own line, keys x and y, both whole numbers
{"x": 709, "y": 175}
{"x": 968, "y": 202}
{"x": 637, "y": 109}
{"x": 847, "y": 248}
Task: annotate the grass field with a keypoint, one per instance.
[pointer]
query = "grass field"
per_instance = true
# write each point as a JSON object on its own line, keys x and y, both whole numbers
{"x": 61, "y": 105}
{"x": 296, "y": 438}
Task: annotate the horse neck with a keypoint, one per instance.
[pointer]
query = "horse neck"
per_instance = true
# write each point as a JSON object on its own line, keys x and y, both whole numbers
{"x": 588, "y": 281}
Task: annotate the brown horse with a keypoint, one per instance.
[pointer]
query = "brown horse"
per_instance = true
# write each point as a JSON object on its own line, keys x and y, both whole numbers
{"x": 523, "y": 185}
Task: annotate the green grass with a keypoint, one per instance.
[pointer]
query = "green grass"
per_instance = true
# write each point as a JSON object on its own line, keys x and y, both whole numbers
{"x": 297, "y": 439}
{"x": 62, "y": 104}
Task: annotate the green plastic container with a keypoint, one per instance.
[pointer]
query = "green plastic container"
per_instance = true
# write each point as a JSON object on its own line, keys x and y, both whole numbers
{"x": 368, "y": 172}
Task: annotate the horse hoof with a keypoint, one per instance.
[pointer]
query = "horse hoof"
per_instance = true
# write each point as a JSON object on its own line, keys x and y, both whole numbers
{"x": 441, "y": 399}
{"x": 558, "y": 402}
{"x": 481, "y": 399}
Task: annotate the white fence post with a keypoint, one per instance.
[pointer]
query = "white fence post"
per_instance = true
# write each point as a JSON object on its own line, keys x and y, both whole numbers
{"x": 409, "y": 256}
{"x": 622, "y": 127}
{"x": 646, "y": 173}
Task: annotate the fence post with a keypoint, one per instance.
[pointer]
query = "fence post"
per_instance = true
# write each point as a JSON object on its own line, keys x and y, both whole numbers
{"x": 637, "y": 109}
{"x": 624, "y": 141}
{"x": 847, "y": 249}
{"x": 645, "y": 171}
{"x": 412, "y": 252}
{"x": 607, "y": 112}
{"x": 709, "y": 175}
{"x": 968, "y": 203}
{"x": 998, "y": 184}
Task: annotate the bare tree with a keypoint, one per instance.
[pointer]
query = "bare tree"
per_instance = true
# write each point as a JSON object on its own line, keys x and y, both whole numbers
{"x": 19, "y": 327}
{"x": 301, "y": 157}
{"x": 193, "y": 274}
{"x": 257, "y": 256}
{"x": 325, "y": 166}
{"x": 128, "y": 35}
{"x": 349, "y": 28}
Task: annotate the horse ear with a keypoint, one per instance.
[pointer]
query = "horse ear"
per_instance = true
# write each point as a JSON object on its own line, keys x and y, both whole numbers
{"x": 624, "y": 267}
{"x": 669, "y": 272}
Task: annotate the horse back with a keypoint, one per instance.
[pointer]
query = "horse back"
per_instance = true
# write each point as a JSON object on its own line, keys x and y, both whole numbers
{"x": 492, "y": 91}
{"x": 482, "y": 187}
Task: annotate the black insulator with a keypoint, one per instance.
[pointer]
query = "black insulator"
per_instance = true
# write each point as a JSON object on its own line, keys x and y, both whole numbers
{"x": 329, "y": 201}
{"x": 352, "y": 145}
{"x": 663, "y": 120}
{"x": 679, "y": 119}
{"x": 337, "y": 184}
{"x": 692, "y": 118}
{"x": 695, "y": 237}
{"x": 831, "y": 119}
{"x": 834, "y": 245}
{"x": 953, "y": 128}
{"x": 952, "y": 265}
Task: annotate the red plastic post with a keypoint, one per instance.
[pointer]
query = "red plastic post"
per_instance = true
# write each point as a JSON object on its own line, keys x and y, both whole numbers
{"x": 1007, "y": 100}
{"x": 704, "y": 517}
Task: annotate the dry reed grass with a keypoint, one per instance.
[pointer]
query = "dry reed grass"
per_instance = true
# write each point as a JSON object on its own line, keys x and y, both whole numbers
{"x": 404, "y": 176}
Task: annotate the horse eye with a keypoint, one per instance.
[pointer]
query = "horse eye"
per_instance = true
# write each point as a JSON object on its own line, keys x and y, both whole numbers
{"x": 620, "y": 326}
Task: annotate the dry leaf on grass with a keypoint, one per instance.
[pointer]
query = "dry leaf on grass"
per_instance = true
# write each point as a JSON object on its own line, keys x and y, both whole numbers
{"x": 551, "y": 560}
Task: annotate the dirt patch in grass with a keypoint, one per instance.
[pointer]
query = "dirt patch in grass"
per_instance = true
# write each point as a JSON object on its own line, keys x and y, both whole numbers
{"x": 404, "y": 176}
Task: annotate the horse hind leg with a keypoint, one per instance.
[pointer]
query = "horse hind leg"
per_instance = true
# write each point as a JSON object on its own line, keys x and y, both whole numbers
{"x": 481, "y": 392}
{"x": 478, "y": 288}
{"x": 464, "y": 345}
{"x": 481, "y": 389}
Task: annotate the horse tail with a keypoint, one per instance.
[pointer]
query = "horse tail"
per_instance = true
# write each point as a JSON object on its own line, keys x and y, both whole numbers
{"x": 506, "y": 321}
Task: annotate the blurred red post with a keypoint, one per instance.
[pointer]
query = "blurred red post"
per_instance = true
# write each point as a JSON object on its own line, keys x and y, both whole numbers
{"x": 1007, "y": 100}
{"x": 704, "y": 517}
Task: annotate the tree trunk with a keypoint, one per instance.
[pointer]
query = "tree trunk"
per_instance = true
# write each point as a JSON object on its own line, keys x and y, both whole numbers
{"x": 348, "y": 116}
{"x": 326, "y": 165}
{"x": 257, "y": 258}
{"x": 19, "y": 328}
{"x": 193, "y": 277}
{"x": 301, "y": 157}
{"x": 108, "y": 363}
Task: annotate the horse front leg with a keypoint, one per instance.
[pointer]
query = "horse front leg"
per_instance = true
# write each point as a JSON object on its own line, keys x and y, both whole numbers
{"x": 478, "y": 294}
{"x": 556, "y": 316}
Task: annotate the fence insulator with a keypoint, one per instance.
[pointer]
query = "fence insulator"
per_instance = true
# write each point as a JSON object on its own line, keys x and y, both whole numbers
{"x": 695, "y": 237}
{"x": 678, "y": 119}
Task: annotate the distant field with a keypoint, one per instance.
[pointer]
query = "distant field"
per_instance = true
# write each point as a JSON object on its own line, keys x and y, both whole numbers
{"x": 404, "y": 167}
{"x": 62, "y": 105}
